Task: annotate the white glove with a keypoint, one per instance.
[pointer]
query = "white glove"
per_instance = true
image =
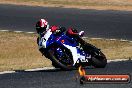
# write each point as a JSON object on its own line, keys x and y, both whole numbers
{"x": 81, "y": 33}
{"x": 57, "y": 31}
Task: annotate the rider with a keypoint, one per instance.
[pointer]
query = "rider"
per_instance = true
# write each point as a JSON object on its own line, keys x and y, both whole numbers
{"x": 42, "y": 27}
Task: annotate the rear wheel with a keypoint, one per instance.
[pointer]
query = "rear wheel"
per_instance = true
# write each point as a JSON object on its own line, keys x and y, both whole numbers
{"x": 98, "y": 58}
{"x": 61, "y": 57}
{"x": 99, "y": 61}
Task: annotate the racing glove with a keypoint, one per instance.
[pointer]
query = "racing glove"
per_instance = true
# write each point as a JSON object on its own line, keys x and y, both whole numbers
{"x": 81, "y": 33}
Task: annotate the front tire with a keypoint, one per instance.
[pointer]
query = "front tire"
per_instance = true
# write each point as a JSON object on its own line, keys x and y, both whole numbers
{"x": 55, "y": 65}
{"x": 57, "y": 62}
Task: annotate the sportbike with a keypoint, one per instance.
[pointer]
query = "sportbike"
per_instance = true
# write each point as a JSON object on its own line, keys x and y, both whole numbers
{"x": 67, "y": 54}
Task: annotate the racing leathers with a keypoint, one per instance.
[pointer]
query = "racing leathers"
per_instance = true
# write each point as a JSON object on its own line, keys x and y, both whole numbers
{"x": 71, "y": 32}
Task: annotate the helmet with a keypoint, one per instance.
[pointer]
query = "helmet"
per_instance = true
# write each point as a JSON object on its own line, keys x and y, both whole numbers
{"x": 41, "y": 26}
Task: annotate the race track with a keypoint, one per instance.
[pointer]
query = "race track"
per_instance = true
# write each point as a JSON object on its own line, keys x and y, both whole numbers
{"x": 64, "y": 79}
{"x": 105, "y": 24}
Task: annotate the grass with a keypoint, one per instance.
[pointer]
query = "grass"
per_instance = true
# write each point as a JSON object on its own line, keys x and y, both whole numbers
{"x": 87, "y": 4}
{"x": 113, "y": 49}
{"x": 76, "y": 2}
{"x": 19, "y": 51}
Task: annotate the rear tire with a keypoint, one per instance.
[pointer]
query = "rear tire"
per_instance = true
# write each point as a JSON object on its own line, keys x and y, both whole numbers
{"x": 99, "y": 61}
{"x": 98, "y": 58}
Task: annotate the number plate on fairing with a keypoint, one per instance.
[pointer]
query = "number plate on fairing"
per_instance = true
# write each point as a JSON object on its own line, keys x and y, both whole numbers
{"x": 83, "y": 58}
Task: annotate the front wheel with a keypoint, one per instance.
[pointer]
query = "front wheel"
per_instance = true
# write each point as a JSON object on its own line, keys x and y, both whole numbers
{"x": 55, "y": 65}
{"x": 61, "y": 57}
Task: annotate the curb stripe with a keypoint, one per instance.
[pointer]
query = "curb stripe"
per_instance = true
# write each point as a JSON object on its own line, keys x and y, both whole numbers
{"x": 4, "y": 30}
{"x": 97, "y": 38}
{"x": 30, "y": 32}
{"x": 113, "y": 39}
{"x": 18, "y": 31}
{"x": 5, "y": 72}
{"x": 53, "y": 68}
{"x": 116, "y": 60}
{"x": 38, "y": 69}
{"x": 82, "y": 37}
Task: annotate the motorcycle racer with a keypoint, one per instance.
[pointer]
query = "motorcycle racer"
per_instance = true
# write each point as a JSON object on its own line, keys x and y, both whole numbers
{"x": 66, "y": 49}
{"x": 42, "y": 26}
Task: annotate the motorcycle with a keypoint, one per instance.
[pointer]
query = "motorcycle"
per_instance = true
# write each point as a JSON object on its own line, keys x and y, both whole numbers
{"x": 67, "y": 54}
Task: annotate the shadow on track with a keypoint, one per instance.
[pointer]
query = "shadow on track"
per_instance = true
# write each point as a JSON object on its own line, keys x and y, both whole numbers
{"x": 57, "y": 78}
{"x": 46, "y": 70}
{"x": 119, "y": 66}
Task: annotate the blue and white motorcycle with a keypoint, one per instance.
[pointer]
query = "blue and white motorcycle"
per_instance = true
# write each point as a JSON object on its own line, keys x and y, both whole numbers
{"x": 67, "y": 54}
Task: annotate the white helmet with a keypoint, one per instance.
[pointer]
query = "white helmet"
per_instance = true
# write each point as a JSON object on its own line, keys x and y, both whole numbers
{"x": 42, "y": 25}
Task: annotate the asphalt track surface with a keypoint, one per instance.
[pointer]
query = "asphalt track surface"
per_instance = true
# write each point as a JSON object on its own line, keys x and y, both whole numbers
{"x": 104, "y": 24}
{"x": 64, "y": 79}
